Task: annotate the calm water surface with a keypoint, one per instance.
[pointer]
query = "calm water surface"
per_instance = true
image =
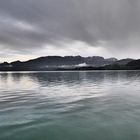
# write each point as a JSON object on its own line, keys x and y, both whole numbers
{"x": 70, "y": 105}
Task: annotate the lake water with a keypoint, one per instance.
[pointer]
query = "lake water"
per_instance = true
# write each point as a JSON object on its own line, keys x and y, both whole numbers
{"x": 70, "y": 105}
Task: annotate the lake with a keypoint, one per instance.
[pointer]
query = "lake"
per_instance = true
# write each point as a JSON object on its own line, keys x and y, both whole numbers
{"x": 95, "y": 105}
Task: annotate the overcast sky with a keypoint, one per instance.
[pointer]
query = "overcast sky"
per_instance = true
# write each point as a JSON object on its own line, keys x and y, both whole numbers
{"x": 32, "y": 28}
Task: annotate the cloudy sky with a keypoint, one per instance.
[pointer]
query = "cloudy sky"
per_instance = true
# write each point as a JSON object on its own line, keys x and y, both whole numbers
{"x": 32, "y": 28}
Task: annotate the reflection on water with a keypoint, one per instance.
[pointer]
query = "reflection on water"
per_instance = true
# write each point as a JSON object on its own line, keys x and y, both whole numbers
{"x": 70, "y": 105}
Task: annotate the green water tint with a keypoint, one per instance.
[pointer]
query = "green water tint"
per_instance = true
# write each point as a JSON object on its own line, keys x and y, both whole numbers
{"x": 70, "y": 105}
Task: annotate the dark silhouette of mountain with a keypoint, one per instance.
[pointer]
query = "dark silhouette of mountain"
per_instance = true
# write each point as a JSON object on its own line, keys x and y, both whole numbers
{"x": 97, "y": 61}
{"x": 124, "y": 64}
{"x": 135, "y": 64}
{"x": 69, "y": 60}
{"x": 124, "y": 61}
{"x": 53, "y": 62}
{"x": 71, "y": 63}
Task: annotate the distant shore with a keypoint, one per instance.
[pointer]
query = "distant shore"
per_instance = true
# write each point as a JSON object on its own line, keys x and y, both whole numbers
{"x": 71, "y": 63}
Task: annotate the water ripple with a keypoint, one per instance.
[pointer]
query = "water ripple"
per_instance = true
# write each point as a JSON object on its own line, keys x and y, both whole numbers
{"x": 70, "y": 105}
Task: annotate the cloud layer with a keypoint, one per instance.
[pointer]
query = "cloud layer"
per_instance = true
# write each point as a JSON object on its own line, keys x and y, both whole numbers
{"x": 29, "y": 26}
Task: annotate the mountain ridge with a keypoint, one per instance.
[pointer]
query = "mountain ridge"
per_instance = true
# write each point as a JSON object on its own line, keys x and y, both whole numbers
{"x": 68, "y": 62}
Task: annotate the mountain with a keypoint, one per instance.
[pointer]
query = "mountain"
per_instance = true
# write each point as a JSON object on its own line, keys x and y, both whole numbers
{"x": 71, "y": 63}
{"x": 124, "y": 61}
{"x": 54, "y": 62}
{"x": 135, "y": 64}
{"x": 124, "y": 64}
{"x": 97, "y": 61}
{"x": 112, "y": 59}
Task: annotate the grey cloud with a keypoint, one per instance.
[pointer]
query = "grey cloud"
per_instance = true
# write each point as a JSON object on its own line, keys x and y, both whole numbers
{"x": 51, "y": 21}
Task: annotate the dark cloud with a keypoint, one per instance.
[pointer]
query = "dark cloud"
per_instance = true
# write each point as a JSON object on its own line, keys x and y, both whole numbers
{"x": 27, "y": 25}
